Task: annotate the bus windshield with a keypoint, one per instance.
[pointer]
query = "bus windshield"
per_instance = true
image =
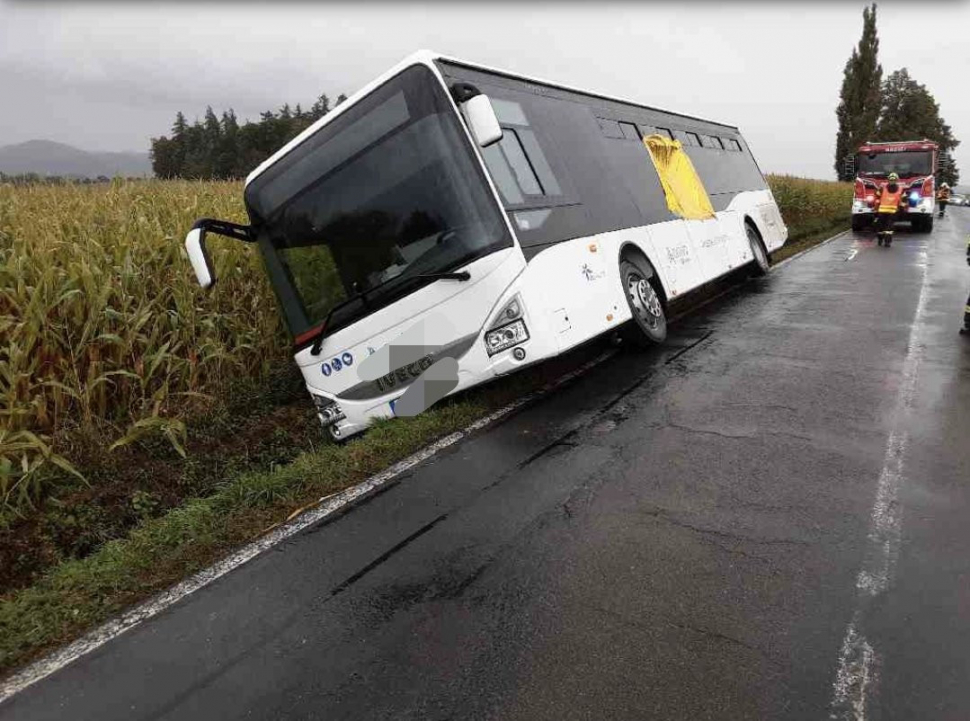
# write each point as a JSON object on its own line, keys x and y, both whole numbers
{"x": 907, "y": 164}
{"x": 385, "y": 194}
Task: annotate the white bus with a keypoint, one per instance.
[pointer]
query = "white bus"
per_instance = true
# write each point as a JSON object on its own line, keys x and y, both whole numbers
{"x": 454, "y": 211}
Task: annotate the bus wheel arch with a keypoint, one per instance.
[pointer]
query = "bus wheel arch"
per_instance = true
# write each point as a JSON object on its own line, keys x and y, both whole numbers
{"x": 630, "y": 251}
{"x": 762, "y": 259}
{"x": 645, "y": 297}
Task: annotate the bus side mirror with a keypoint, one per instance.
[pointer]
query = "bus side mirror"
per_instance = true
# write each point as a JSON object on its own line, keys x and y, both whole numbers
{"x": 482, "y": 121}
{"x": 195, "y": 245}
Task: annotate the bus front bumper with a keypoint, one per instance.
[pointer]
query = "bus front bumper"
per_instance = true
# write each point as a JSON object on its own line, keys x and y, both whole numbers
{"x": 345, "y": 417}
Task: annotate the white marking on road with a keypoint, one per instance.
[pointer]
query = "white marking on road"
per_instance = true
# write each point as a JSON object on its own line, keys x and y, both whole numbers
{"x": 852, "y": 254}
{"x": 328, "y": 506}
{"x": 855, "y": 674}
{"x": 854, "y": 682}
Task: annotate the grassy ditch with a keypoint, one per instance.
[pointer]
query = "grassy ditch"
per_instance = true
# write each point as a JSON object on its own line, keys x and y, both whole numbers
{"x": 107, "y": 339}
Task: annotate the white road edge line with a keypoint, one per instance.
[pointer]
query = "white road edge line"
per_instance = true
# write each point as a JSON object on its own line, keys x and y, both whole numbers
{"x": 809, "y": 249}
{"x": 328, "y": 506}
{"x": 858, "y": 662}
{"x": 93, "y": 640}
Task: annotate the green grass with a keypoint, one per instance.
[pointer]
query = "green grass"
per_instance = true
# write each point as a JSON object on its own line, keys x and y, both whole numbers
{"x": 165, "y": 540}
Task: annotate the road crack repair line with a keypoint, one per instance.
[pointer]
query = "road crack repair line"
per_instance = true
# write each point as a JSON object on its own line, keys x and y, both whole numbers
{"x": 856, "y": 678}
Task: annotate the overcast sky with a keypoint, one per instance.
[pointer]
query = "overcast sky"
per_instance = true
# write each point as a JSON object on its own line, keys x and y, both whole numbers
{"x": 110, "y": 76}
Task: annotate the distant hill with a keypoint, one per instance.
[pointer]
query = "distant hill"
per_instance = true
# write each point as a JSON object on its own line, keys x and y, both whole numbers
{"x": 46, "y": 157}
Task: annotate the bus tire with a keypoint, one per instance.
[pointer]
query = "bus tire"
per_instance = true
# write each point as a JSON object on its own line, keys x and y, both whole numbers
{"x": 761, "y": 262}
{"x": 649, "y": 324}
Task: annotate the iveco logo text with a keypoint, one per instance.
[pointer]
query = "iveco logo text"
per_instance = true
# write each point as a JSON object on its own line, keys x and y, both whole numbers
{"x": 337, "y": 364}
{"x": 405, "y": 374}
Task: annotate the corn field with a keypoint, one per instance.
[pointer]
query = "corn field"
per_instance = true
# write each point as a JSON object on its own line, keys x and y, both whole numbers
{"x": 103, "y": 329}
{"x": 810, "y": 205}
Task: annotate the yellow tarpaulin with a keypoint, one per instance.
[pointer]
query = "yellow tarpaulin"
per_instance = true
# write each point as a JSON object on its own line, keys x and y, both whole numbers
{"x": 685, "y": 192}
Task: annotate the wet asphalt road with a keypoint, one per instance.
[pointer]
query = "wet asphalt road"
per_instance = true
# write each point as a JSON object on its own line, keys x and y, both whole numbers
{"x": 676, "y": 535}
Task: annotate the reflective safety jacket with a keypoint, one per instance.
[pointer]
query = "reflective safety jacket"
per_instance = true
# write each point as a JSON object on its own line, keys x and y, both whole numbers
{"x": 890, "y": 197}
{"x": 943, "y": 194}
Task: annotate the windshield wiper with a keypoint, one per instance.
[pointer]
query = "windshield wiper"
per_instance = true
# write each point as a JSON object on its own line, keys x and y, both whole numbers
{"x": 317, "y": 346}
{"x": 461, "y": 275}
{"x": 321, "y": 334}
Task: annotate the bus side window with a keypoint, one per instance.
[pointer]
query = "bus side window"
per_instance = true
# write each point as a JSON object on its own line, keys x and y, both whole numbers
{"x": 539, "y": 163}
{"x": 688, "y": 140}
{"x": 666, "y": 132}
{"x": 502, "y": 174}
{"x": 517, "y": 163}
{"x": 712, "y": 141}
{"x": 630, "y": 131}
{"x": 610, "y": 128}
{"x": 525, "y": 174}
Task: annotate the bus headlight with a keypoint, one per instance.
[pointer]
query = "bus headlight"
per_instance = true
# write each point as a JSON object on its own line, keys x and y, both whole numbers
{"x": 506, "y": 336}
{"x": 327, "y": 411}
{"x": 511, "y": 311}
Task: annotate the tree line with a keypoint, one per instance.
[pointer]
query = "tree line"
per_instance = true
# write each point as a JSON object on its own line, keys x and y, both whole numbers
{"x": 896, "y": 108}
{"x": 38, "y": 179}
{"x": 217, "y": 147}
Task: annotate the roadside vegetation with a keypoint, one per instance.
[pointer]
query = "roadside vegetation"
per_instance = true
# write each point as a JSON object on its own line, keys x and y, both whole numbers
{"x": 147, "y": 427}
{"x": 813, "y": 210}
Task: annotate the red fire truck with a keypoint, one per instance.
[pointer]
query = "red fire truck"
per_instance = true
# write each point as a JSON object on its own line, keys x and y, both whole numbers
{"x": 916, "y": 162}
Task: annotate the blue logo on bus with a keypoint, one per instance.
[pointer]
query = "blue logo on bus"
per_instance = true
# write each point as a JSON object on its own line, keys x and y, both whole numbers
{"x": 347, "y": 359}
{"x": 325, "y": 369}
{"x": 337, "y": 365}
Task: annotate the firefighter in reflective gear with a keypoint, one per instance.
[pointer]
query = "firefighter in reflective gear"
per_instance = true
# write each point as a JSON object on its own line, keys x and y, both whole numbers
{"x": 888, "y": 198}
{"x": 966, "y": 311}
{"x": 943, "y": 197}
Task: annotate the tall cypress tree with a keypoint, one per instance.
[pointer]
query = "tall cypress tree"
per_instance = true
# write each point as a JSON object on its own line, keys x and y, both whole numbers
{"x": 910, "y": 112}
{"x": 861, "y": 97}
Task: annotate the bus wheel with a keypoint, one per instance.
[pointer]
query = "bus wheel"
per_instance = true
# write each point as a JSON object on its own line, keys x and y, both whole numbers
{"x": 761, "y": 262}
{"x": 649, "y": 325}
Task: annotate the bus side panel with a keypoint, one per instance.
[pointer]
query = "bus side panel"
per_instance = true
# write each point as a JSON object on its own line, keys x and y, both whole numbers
{"x": 760, "y": 208}
{"x": 575, "y": 287}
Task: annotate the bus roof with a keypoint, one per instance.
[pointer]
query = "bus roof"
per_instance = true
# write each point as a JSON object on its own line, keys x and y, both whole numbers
{"x": 571, "y": 89}
{"x": 428, "y": 57}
